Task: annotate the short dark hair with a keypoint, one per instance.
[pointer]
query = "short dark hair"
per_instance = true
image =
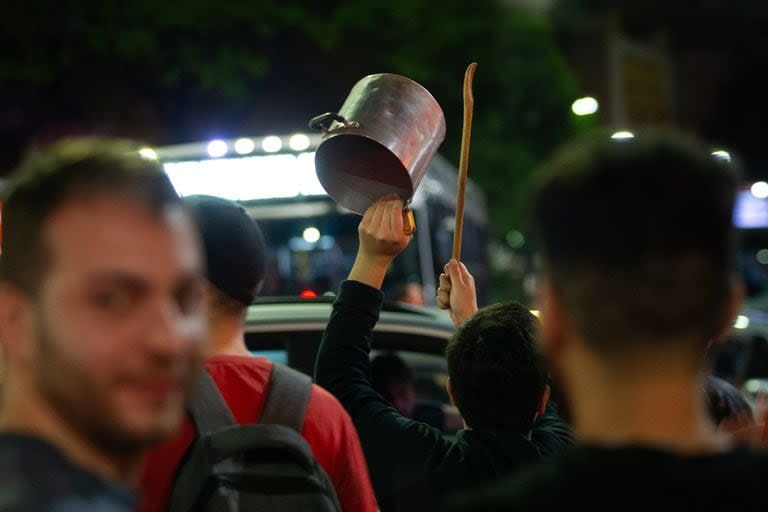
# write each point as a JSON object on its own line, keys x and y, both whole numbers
{"x": 235, "y": 251}
{"x": 497, "y": 375}
{"x": 72, "y": 169}
{"x": 636, "y": 237}
{"x": 222, "y": 303}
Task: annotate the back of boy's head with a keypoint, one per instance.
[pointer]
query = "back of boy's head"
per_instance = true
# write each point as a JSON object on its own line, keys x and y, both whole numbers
{"x": 636, "y": 239}
{"x": 497, "y": 375}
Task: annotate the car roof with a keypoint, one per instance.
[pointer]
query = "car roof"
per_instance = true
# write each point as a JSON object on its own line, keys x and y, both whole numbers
{"x": 272, "y": 314}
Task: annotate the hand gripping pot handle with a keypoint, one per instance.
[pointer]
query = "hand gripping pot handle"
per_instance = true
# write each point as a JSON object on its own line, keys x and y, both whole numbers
{"x": 379, "y": 143}
{"x": 322, "y": 124}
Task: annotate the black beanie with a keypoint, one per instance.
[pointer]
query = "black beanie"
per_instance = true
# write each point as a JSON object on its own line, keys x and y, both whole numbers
{"x": 233, "y": 244}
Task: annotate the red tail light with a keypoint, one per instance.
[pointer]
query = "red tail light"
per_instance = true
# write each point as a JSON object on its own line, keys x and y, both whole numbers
{"x": 308, "y": 294}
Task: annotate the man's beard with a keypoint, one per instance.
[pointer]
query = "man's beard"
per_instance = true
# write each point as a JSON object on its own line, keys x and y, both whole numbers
{"x": 83, "y": 403}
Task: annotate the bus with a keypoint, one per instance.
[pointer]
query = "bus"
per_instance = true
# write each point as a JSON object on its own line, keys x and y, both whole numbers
{"x": 311, "y": 240}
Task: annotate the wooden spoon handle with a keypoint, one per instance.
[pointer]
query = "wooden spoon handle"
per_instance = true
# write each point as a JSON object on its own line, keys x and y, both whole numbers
{"x": 469, "y": 105}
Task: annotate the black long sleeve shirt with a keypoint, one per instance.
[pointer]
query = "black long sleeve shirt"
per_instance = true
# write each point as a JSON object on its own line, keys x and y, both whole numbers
{"x": 410, "y": 462}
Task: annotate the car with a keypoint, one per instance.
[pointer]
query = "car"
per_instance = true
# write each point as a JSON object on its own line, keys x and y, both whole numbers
{"x": 288, "y": 330}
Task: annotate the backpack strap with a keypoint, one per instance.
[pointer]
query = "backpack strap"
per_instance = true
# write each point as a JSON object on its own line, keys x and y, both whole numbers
{"x": 287, "y": 398}
{"x": 208, "y": 408}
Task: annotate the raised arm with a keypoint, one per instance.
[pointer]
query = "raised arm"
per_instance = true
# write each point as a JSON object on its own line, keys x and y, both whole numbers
{"x": 394, "y": 445}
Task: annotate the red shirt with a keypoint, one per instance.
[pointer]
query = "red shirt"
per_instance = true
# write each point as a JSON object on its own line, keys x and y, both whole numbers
{"x": 327, "y": 429}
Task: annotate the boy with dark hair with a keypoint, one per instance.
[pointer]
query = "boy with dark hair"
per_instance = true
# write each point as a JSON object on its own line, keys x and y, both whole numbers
{"x": 495, "y": 379}
{"x": 481, "y": 357}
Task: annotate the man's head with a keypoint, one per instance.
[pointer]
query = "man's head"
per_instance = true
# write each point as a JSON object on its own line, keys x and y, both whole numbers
{"x": 497, "y": 379}
{"x": 235, "y": 255}
{"x": 394, "y": 380}
{"x": 100, "y": 296}
{"x": 409, "y": 292}
{"x": 637, "y": 246}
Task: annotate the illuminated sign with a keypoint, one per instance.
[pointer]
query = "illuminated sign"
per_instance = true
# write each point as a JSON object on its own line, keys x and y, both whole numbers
{"x": 248, "y": 178}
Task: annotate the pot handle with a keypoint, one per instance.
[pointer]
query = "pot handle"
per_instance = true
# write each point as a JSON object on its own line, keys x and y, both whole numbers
{"x": 409, "y": 222}
{"x": 322, "y": 122}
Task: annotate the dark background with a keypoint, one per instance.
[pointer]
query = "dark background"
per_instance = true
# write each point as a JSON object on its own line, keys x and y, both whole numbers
{"x": 171, "y": 72}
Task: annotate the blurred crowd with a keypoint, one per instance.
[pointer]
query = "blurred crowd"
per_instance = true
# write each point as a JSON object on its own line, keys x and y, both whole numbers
{"x": 127, "y": 383}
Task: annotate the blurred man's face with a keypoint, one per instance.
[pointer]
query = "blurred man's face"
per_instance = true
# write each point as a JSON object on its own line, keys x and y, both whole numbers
{"x": 119, "y": 324}
{"x": 413, "y": 294}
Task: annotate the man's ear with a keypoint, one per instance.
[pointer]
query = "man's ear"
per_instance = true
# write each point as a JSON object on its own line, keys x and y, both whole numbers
{"x": 551, "y": 319}
{"x": 449, "y": 388}
{"x": 15, "y": 322}
{"x": 544, "y": 400}
{"x": 736, "y": 296}
{"x": 554, "y": 335}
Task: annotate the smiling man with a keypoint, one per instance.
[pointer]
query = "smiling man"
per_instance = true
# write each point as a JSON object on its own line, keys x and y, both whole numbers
{"x": 102, "y": 324}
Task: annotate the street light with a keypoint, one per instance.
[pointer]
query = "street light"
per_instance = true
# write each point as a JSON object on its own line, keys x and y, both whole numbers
{"x": 760, "y": 189}
{"x": 623, "y": 135}
{"x": 585, "y": 106}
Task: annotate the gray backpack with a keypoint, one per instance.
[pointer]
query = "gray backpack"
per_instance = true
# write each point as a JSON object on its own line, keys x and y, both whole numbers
{"x": 258, "y": 467}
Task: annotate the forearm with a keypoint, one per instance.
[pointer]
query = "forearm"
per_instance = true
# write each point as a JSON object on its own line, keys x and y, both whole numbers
{"x": 369, "y": 270}
{"x": 343, "y": 360}
{"x": 343, "y": 368}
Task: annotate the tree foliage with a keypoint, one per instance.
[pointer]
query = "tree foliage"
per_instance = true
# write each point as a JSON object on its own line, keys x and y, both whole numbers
{"x": 179, "y": 70}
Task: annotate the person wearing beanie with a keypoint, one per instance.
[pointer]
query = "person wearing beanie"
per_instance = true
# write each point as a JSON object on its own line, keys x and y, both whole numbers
{"x": 235, "y": 250}
{"x": 235, "y": 254}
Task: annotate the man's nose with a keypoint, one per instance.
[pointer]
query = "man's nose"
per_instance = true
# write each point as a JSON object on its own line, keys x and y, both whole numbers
{"x": 164, "y": 332}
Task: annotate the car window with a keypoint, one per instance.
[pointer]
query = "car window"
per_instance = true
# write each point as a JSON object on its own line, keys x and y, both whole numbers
{"x": 422, "y": 353}
{"x": 298, "y": 349}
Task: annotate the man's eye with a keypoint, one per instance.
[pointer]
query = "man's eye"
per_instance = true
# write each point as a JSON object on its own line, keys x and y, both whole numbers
{"x": 112, "y": 301}
{"x": 189, "y": 299}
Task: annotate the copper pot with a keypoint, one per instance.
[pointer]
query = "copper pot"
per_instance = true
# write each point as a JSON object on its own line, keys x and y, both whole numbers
{"x": 379, "y": 143}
